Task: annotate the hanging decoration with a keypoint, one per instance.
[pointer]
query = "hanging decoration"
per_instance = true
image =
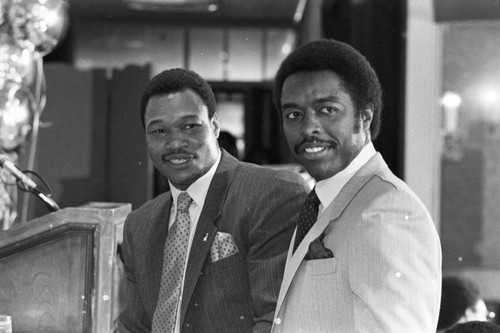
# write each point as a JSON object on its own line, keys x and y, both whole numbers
{"x": 29, "y": 29}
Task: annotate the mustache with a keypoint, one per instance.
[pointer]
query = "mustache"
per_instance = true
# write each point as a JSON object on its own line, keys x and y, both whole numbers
{"x": 180, "y": 151}
{"x": 312, "y": 139}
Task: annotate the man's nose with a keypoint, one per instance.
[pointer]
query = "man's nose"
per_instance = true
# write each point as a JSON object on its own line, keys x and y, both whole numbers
{"x": 175, "y": 140}
{"x": 311, "y": 124}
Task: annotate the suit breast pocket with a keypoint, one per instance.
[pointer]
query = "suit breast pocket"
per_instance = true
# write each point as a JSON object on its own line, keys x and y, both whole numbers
{"x": 234, "y": 260}
{"x": 320, "y": 267}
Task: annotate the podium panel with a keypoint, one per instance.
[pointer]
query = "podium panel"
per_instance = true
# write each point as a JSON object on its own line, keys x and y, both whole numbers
{"x": 61, "y": 272}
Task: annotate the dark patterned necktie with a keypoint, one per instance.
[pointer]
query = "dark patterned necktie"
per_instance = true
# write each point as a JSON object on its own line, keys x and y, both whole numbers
{"x": 307, "y": 217}
{"x": 174, "y": 258}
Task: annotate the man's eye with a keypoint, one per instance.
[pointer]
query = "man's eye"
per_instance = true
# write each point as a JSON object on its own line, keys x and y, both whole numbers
{"x": 157, "y": 131}
{"x": 191, "y": 126}
{"x": 292, "y": 115}
{"x": 328, "y": 109}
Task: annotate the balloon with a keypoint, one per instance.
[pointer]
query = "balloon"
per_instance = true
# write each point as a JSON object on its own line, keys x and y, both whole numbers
{"x": 16, "y": 105}
{"x": 39, "y": 24}
{"x": 16, "y": 64}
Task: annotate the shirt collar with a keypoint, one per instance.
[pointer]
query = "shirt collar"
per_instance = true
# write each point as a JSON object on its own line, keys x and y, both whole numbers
{"x": 198, "y": 190}
{"x": 328, "y": 189}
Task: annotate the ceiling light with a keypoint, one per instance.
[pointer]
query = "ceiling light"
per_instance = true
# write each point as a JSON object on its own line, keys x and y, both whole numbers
{"x": 173, "y": 5}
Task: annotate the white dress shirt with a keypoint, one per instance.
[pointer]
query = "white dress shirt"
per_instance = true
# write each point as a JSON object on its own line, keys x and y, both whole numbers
{"x": 328, "y": 189}
{"x": 198, "y": 192}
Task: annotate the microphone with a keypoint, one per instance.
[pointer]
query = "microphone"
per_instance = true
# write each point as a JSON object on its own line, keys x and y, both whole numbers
{"x": 14, "y": 170}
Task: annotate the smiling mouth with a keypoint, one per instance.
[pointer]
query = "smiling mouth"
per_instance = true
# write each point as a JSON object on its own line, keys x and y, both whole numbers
{"x": 179, "y": 161}
{"x": 313, "y": 153}
{"x": 314, "y": 150}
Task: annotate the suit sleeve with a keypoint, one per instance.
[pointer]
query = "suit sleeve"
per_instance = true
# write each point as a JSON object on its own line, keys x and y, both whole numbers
{"x": 275, "y": 216}
{"x": 395, "y": 266}
{"x": 132, "y": 315}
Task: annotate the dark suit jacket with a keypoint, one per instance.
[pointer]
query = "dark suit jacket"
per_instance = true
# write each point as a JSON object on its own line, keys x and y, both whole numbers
{"x": 259, "y": 208}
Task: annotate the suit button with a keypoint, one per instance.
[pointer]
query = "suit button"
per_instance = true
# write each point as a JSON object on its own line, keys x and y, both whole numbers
{"x": 277, "y": 321}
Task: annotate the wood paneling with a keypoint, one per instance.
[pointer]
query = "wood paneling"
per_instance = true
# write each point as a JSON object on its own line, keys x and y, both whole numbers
{"x": 60, "y": 273}
{"x": 48, "y": 284}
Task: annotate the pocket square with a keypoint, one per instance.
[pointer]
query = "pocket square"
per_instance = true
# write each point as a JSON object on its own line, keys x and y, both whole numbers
{"x": 223, "y": 246}
{"x": 317, "y": 249}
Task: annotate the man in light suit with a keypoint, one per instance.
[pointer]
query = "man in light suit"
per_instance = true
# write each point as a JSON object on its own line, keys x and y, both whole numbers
{"x": 370, "y": 260}
{"x": 241, "y": 221}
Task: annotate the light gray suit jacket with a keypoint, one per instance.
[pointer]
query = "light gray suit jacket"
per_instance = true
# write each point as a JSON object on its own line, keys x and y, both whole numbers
{"x": 385, "y": 275}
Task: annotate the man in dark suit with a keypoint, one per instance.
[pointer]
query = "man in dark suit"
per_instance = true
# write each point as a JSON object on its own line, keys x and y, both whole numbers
{"x": 240, "y": 218}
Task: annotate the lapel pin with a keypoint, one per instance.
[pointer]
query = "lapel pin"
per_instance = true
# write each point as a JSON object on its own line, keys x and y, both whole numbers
{"x": 205, "y": 238}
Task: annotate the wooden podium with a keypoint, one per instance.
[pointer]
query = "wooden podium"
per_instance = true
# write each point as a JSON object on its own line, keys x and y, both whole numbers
{"x": 61, "y": 272}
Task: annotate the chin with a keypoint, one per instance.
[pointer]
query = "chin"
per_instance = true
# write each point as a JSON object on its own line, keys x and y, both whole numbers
{"x": 313, "y": 168}
{"x": 316, "y": 174}
{"x": 319, "y": 173}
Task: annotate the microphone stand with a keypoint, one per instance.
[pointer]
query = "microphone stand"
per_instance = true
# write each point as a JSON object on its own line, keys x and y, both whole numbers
{"x": 48, "y": 201}
{"x": 24, "y": 183}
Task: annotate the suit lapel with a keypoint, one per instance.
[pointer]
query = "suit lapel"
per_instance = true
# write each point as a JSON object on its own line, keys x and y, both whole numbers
{"x": 329, "y": 215}
{"x": 156, "y": 238}
{"x": 207, "y": 226}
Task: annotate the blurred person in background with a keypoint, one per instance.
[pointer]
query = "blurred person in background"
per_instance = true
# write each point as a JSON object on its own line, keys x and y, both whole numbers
{"x": 228, "y": 142}
{"x": 460, "y": 302}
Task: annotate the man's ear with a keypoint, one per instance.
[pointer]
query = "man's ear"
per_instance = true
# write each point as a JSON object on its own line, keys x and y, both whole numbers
{"x": 216, "y": 124}
{"x": 366, "y": 117}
